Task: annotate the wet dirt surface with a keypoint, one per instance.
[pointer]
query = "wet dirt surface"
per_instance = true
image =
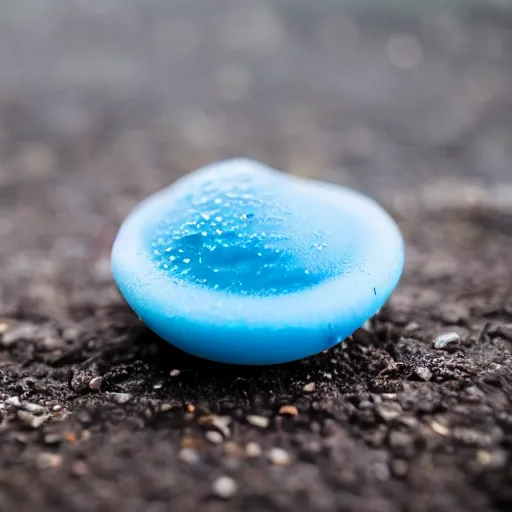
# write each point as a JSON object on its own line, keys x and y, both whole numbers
{"x": 97, "y": 413}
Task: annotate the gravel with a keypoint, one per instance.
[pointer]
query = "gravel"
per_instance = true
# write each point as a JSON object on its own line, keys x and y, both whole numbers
{"x": 224, "y": 487}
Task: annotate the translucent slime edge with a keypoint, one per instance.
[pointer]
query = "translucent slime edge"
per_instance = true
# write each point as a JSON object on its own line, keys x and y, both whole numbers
{"x": 263, "y": 330}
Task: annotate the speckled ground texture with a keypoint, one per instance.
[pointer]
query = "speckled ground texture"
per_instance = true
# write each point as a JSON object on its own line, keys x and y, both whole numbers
{"x": 102, "y": 103}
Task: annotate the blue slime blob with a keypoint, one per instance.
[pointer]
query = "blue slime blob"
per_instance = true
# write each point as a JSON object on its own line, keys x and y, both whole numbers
{"x": 242, "y": 264}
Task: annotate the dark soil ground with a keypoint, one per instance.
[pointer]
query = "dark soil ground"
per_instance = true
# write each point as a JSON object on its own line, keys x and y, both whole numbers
{"x": 97, "y": 414}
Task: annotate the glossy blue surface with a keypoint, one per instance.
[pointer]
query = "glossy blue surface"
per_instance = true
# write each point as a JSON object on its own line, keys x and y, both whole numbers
{"x": 242, "y": 264}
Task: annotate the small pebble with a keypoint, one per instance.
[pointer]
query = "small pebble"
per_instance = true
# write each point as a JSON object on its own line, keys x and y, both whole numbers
{"x": 3, "y": 327}
{"x": 439, "y": 428}
{"x": 79, "y": 468}
{"x": 188, "y": 441}
{"x": 389, "y": 411}
{"x": 13, "y": 400}
{"x": 310, "y": 387}
{"x": 18, "y": 333}
{"x": 52, "y": 438}
{"x": 31, "y": 420}
{"x": 258, "y": 421}
{"x": 423, "y": 373}
{"x": 493, "y": 460}
{"x": 60, "y": 415}
{"x": 443, "y": 340}
{"x": 253, "y": 450}
{"x": 214, "y": 437}
{"x": 279, "y": 457}
{"x": 56, "y": 408}
{"x": 70, "y": 437}
{"x": 220, "y": 422}
{"x": 399, "y": 467}
{"x": 233, "y": 449}
{"x": 174, "y": 373}
{"x": 48, "y": 460}
{"x": 411, "y": 327}
{"x": 224, "y": 487}
{"x": 290, "y": 410}
{"x": 188, "y": 455}
{"x": 86, "y": 435}
{"x": 400, "y": 442}
{"x": 81, "y": 378}
{"x": 381, "y": 471}
{"x": 95, "y": 383}
{"x": 33, "y": 408}
{"x": 121, "y": 398}
{"x": 409, "y": 421}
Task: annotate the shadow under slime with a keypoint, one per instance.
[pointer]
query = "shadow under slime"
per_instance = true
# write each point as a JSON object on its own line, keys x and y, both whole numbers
{"x": 146, "y": 365}
{"x": 202, "y": 380}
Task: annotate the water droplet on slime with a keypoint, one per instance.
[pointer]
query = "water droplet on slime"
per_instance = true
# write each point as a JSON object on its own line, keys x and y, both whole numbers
{"x": 268, "y": 249}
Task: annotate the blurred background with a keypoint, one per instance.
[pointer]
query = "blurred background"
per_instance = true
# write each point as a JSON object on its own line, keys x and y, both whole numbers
{"x": 105, "y": 101}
